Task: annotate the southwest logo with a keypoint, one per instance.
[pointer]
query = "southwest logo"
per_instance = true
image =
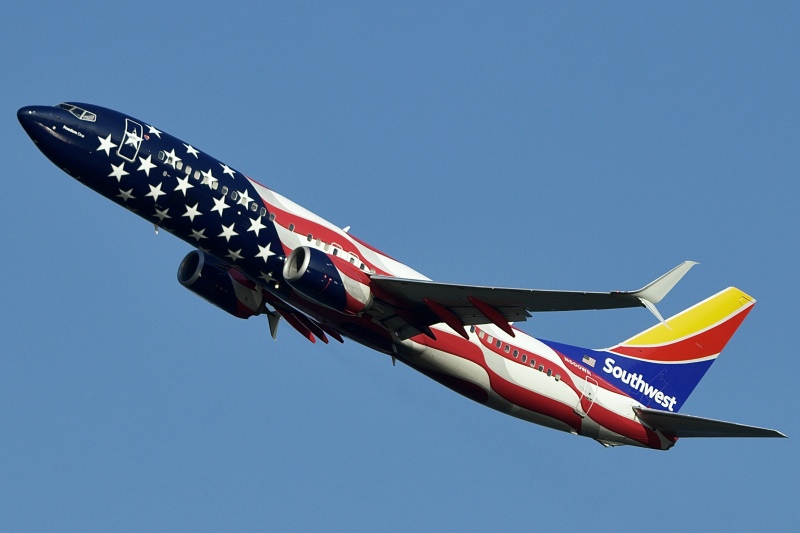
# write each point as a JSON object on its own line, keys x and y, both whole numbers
{"x": 635, "y": 381}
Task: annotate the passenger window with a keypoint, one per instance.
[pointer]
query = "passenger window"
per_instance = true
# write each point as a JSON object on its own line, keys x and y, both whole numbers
{"x": 507, "y": 348}
{"x": 481, "y": 334}
{"x": 161, "y": 155}
{"x": 499, "y": 343}
{"x": 516, "y": 354}
{"x": 179, "y": 165}
{"x": 234, "y": 195}
{"x": 253, "y": 207}
{"x": 524, "y": 358}
{"x": 335, "y": 251}
{"x": 558, "y": 377}
{"x": 272, "y": 217}
{"x": 214, "y": 185}
{"x": 533, "y": 363}
{"x": 224, "y": 190}
{"x": 549, "y": 372}
{"x": 189, "y": 170}
{"x": 310, "y": 237}
{"x": 541, "y": 368}
{"x": 197, "y": 175}
{"x": 264, "y": 212}
{"x": 291, "y": 227}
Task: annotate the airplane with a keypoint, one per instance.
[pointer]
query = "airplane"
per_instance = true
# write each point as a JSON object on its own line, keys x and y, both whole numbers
{"x": 258, "y": 253}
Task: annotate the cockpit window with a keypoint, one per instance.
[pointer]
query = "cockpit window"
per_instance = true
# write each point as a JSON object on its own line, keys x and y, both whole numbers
{"x": 78, "y": 112}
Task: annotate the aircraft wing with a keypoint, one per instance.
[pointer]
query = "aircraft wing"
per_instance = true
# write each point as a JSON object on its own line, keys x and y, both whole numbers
{"x": 680, "y": 425}
{"x": 409, "y": 306}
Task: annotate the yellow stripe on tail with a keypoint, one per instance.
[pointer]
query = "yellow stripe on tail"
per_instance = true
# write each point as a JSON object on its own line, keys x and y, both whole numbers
{"x": 697, "y": 318}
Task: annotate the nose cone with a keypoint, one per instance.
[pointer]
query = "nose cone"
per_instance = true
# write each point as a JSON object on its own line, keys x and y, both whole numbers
{"x": 27, "y": 117}
{"x": 34, "y": 119}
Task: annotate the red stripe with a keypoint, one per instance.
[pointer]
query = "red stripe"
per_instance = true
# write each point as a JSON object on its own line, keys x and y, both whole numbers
{"x": 317, "y": 231}
{"x": 538, "y": 403}
{"x": 624, "y": 426}
{"x": 705, "y": 344}
{"x": 525, "y": 398}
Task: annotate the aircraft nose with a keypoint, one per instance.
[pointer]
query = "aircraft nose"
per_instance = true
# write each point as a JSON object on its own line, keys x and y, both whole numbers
{"x": 32, "y": 118}
{"x": 27, "y": 116}
{"x": 39, "y": 121}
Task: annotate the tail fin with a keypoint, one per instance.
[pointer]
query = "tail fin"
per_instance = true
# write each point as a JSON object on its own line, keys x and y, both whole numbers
{"x": 661, "y": 366}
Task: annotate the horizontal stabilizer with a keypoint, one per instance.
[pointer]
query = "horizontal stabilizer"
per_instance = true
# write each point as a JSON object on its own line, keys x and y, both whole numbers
{"x": 680, "y": 425}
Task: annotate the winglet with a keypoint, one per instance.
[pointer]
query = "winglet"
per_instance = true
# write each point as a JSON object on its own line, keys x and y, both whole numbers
{"x": 655, "y": 291}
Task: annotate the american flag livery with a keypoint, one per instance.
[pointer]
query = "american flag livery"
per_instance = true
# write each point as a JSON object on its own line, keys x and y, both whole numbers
{"x": 258, "y": 252}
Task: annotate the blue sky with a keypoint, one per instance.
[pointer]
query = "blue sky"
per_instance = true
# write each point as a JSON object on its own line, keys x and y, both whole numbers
{"x": 573, "y": 146}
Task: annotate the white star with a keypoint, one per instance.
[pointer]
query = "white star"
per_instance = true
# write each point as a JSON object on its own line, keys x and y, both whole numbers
{"x": 191, "y": 149}
{"x": 172, "y": 158}
{"x": 264, "y": 252}
{"x": 147, "y": 165}
{"x": 267, "y": 277}
{"x": 151, "y": 129}
{"x": 118, "y": 171}
{"x": 227, "y": 232}
{"x": 183, "y": 185}
{"x": 256, "y": 225}
{"x": 235, "y": 255}
{"x": 106, "y": 145}
{"x": 162, "y": 214}
{"x": 197, "y": 235}
{"x": 155, "y": 192}
{"x": 219, "y": 205}
{"x": 208, "y": 179}
{"x": 133, "y": 138}
{"x": 192, "y": 212}
{"x": 227, "y": 170}
{"x": 126, "y": 195}
{"x": 244, "y": 199}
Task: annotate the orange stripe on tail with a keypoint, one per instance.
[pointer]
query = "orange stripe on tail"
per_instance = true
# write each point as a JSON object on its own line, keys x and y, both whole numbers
{"x": 700, "y": 332}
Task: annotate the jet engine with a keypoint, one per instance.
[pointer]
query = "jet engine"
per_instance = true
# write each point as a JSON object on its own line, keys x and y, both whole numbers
{"x": 221, "y": 285}
{"x": 315, "y": 276}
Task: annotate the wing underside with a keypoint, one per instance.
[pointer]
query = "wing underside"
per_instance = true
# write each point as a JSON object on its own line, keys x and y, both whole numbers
{"x": 409, "y": 307}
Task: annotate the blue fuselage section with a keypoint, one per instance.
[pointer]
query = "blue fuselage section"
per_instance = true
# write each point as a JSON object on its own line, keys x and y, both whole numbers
{"x": 164, "y": 180}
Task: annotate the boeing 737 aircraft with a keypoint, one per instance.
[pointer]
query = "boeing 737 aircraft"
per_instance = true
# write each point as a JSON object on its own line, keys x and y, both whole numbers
{"x": 260, "y": 253}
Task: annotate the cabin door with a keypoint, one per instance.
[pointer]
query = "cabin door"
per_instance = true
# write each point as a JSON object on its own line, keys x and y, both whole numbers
{"x": 588, "y": 396}
{"x": 131, "y": 140}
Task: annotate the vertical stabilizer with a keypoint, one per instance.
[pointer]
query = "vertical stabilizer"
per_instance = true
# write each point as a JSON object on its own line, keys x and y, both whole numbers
{"x": 661, "y": 366}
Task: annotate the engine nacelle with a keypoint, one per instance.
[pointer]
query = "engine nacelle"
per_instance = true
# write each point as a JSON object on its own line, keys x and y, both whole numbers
{"x": 314, "y": 275}
{"x": 217, "y": 283}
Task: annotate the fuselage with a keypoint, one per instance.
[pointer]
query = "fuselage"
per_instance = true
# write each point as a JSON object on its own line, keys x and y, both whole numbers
{"x": 247, "y": 226}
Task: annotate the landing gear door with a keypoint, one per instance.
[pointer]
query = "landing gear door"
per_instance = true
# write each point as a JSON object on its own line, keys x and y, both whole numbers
{"x": 131, "y": 141}
{"x": 588, "y": 396}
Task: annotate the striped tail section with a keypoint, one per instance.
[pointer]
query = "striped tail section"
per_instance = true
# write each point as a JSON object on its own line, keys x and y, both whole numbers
{"x": 661, "y": 366}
